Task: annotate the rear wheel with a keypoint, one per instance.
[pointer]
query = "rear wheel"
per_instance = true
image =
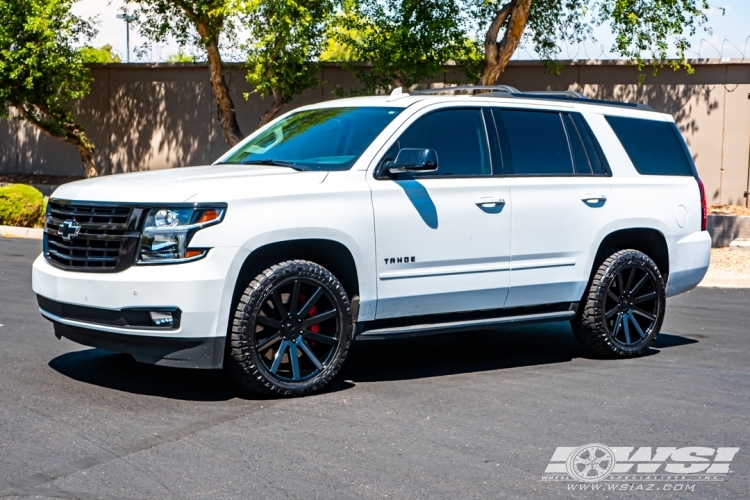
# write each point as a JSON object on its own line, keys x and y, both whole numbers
{"x": 623, "y": 309}
{"x": 291, "y": 330}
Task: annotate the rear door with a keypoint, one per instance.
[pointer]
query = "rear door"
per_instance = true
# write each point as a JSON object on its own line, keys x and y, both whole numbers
{"x": 561, "y": 193}
{"x": 442, "y": 238}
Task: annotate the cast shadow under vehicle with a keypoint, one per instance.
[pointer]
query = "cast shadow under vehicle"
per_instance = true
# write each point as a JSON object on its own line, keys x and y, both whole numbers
{"x": 369, "y": 361}
{"x": 468, "y": 352}
{"x": 121, "y": 372}
{"x": 665, "y": 340}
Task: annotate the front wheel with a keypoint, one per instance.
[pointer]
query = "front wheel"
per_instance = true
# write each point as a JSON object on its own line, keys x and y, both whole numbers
{"x": 623, "y": 309}
{"x": 291, "y": 331}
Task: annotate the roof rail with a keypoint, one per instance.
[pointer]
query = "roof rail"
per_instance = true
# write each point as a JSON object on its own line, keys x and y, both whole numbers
{"x": 508, "y": 91}
{"x": 561, "y": 93}
{"x": 495, "y": 88}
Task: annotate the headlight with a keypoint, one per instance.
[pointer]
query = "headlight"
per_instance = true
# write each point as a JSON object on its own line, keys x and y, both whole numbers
{"x": 167, "y": 233}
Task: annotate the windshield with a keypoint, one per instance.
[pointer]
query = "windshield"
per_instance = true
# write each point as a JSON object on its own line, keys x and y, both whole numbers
{"x": 317, "y": 139}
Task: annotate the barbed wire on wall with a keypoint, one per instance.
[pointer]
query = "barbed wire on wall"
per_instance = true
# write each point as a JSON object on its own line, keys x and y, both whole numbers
{"x": 705, "y": 50}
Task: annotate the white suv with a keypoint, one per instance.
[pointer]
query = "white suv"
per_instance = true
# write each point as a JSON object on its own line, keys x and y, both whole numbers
{"x": 379, "y": 217}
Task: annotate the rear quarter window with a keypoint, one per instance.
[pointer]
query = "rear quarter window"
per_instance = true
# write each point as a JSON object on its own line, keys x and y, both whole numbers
{"x": 655, "y": 147}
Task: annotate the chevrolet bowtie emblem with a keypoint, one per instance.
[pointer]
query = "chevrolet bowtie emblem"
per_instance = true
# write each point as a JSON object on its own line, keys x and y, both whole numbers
{"x": 69, "y": 230}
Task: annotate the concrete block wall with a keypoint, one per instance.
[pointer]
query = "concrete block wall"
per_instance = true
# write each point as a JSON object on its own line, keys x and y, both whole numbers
{"x": 146, "y": 117}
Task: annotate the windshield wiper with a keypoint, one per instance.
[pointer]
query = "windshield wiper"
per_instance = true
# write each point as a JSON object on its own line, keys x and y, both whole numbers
{"x": 277, "y": 163}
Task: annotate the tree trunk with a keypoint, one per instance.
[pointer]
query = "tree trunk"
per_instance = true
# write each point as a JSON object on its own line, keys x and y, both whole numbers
{"x": 225, "y": 106}
{"x": 87, "y": 158}
{"x": 59, "y": 128}
{"x": 398, "y": 82}
{"x": 497, "y": 54}
{"x": 270, "y": 114}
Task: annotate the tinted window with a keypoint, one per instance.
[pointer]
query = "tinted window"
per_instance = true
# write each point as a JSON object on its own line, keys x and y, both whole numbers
{"x": 655, "y": 147}
{"x": 317, "y": 139}
{"x": 580, "y": 157}
{"x": 458, "y": 136}
{"x": 534, "y": 143}
{"x": 593, "y": 150}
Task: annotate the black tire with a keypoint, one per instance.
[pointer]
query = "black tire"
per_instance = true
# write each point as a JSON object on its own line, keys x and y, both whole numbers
{"x": 622, "y": 311}
{"x": 285, "y": 339}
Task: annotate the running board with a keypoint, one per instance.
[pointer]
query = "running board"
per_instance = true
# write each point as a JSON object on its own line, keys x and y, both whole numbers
{"x": 459, "y": 326}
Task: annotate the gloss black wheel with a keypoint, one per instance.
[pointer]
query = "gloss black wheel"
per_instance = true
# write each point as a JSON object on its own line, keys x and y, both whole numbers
{"x": 623, "y": 310}
{"x": 291, "y": 331}
{"x": 631, "y": 305}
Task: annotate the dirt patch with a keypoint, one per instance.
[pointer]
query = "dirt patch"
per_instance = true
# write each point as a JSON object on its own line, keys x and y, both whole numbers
{"x": 54, "y": 180}
{"x": 729, "y": 263}
{"x": 720, "y": 209}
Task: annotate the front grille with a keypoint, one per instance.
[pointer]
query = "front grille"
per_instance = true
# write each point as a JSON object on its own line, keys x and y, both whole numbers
{"x": 105, "y": 241}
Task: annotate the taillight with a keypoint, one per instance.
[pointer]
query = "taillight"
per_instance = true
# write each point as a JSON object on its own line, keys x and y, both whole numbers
{"x": 704, "y": 209}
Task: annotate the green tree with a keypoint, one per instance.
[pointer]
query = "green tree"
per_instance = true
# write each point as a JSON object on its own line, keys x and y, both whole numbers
{"x": 335, "y": 50}
{"x": 101, "y": 55}
{"x": 200, "y": 24}
{"x": 285, "y": 38}
{"x": 41, "y": 70}
{"x": 181, "y": 57}
{"x": 404, "y": 41}
{"x": 643, "y": 29}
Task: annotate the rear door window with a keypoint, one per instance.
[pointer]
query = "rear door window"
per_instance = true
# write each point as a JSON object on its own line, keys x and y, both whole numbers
{"x": 655, "y": 147}
{"x": 534, "y": 143}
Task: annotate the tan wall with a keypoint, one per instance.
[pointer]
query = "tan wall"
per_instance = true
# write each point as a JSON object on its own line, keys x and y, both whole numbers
{"x": 144, "y": 117}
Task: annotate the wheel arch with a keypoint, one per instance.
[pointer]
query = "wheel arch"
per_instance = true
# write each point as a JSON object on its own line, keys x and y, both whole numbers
{"x": 647, "y": 240}
{"x": 331, "y": 254}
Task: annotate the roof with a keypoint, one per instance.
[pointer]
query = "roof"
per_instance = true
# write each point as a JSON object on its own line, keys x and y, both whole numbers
{"x": 400, "y": 99}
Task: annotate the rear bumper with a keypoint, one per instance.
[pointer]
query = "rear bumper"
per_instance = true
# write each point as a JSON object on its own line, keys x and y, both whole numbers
{"x": 689, "y": 256}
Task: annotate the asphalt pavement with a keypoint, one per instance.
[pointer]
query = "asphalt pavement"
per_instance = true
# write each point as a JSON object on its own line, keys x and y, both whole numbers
{"x": 468, "y": 415}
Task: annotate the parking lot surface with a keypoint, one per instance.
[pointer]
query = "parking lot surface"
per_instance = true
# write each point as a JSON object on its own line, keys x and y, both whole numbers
{"x": 468, "y": 415}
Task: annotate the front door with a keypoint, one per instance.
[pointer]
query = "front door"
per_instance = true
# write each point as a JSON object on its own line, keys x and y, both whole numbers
{"x": 442, "y": 238}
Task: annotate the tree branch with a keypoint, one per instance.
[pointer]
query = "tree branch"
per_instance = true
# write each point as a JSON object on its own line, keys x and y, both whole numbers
{"x": 59, "y": 128}
{"x": 497, "y": 54}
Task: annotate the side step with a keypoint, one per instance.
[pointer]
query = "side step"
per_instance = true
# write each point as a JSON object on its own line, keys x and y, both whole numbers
{"x": 370, "y": 331}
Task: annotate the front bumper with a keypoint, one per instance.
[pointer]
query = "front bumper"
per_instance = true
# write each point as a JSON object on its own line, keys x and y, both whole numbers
{"x": 201, "y": 291}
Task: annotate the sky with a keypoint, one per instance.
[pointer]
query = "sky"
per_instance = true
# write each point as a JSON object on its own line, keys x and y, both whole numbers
{"x": 730, "y": 38}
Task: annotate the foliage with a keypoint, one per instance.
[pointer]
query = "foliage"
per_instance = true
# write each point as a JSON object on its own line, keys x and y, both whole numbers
{"x": 42, "y": 72}
{"x": 335, "y": 50}
{"x": 102, "y": 55}
{"x": 181, "y": 57}
{"x": 284, "y": 38}
{"x": 643, "y": 29}
{"x": 20, "y": 205}
{"x": 648, "y": 28}
{"x": 190, "y": 23}
{"x": 405, "y": 41}
{"x": 201, "y": 24}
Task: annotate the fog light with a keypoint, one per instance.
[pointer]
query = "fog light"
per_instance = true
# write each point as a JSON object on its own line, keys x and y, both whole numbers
{"x": 161, "y": 318}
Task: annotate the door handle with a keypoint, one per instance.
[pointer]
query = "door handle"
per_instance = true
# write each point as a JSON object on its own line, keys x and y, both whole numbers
{"x": 489, "y": 201}
{"x": 594, "y": 198}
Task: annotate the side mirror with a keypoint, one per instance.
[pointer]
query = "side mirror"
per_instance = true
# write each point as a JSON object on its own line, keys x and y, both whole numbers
{"x": 413, "y": 160}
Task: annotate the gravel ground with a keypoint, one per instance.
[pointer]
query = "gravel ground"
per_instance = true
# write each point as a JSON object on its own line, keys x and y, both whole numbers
{"x": 732, "y": 263}
{"x": 720, "y": 209}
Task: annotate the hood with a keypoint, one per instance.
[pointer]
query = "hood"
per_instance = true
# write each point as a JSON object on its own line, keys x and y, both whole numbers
{"x": 194, "y": 184}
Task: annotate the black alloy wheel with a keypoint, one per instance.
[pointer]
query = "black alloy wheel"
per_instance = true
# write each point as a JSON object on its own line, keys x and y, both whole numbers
{"x": 631, "y": 306}
{"x": 291, "y": 331}
{"x": 622, "y": 312}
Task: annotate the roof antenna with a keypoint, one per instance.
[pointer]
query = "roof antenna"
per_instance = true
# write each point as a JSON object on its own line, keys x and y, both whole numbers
{"x": 397, "y": 93}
